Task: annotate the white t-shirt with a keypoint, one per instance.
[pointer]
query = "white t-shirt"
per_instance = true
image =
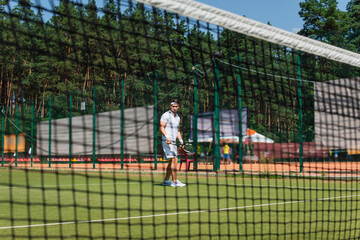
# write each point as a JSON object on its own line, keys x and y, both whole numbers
{"x": 172, "y": 125}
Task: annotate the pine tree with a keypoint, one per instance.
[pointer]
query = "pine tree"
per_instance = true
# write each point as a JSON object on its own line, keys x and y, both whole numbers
{"x": 323, "y": 21}
{"x": 353, "y": 9}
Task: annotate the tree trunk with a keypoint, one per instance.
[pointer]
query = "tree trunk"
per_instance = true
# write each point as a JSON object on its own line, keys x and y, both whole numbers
{"x": 87, "y": 76}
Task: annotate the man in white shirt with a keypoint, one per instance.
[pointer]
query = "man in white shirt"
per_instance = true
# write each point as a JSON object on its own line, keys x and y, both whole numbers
{"x": 169, "y": 128}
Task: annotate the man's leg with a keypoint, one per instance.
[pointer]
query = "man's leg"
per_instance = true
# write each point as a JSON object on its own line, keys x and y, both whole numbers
{"x": 175, "y": 183}
{"x": 173, "y": 168}
{"x": 168, "y": 170}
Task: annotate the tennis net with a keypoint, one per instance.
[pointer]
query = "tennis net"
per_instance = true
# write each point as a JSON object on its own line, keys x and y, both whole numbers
{"x": 269, "y": 121}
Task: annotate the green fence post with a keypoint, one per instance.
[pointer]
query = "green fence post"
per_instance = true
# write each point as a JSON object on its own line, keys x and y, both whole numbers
{"x": 50, "y": 132}
{"x": 155, "y": 119}
{"x": 240, "y": 118}
{"x": 70, "y": 128}
{"x": 2, "y": 135}
{"x": 195, "y": 127}
{"x": 94, "y": 126}
{"x": 32, "y": 132}
{"x": 122, "y": 122}
{"x": 300, "y": 114}
{"x": 217, "y": 118}
{"x": 16, "y": 135}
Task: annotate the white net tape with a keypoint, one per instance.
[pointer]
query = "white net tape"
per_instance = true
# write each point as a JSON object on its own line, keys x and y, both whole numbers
{"x": 236, "y": 23}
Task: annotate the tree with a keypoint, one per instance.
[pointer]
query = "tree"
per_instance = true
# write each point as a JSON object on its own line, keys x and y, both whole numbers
{"x": 324, "y": 21}
{"x": 353, "y": 9}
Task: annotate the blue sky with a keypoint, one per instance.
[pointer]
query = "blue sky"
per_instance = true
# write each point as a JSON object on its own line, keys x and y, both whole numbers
{"x": 283, "y": 14}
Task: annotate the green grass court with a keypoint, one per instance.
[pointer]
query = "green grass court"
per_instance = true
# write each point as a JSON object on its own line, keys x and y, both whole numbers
{"x": 137, "y": 206}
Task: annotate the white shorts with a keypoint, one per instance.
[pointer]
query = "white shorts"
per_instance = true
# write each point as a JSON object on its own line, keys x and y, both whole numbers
{"x": 170, "y": 150}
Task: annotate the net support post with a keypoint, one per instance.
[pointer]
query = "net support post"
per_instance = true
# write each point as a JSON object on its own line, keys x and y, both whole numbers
{"x": 70, "y": 128}
{"x": 16, "y": 135}
{"x": 217, "y": 117}
{"x": 2, "y": 135}
{"x": 300, "y": 114}
{"x": 195, "y": 127}
{"x": 155, "y": 119}
{"x": 94, "y": 127}
{"x": 32, "y": 133}
{"x": 240, "y": 118}
{"x": 50, "y": 132}
{"x": 122, "y": 121}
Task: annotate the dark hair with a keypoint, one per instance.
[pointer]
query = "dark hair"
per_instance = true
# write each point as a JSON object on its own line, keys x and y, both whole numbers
{"x": 176, "y": 101}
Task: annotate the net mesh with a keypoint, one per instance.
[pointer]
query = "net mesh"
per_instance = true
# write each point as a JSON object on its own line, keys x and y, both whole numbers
{"x": 271, "y": 132}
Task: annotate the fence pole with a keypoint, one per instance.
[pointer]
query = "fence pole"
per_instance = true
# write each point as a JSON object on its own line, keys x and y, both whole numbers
{"x": 122, "y": 121}
{"x": 94, "y": 126}
{"x": 217, "y": 118}
{"x": 240, "y": 118}
{"x": 70, "y": 129}
{"x": 155, "y": 119}
{"x": 50, "y": 132}
{"x": 16, "y": 135}
{"x": 32, "y": 132}
{"x": 2, "y": 135}
{"x": 195, "y": 127}
{"x": 300, "y": 114}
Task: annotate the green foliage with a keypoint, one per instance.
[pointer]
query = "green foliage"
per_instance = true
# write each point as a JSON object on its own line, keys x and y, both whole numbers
{"x": 353, "y": 9}
{"x": 324, "y": 21}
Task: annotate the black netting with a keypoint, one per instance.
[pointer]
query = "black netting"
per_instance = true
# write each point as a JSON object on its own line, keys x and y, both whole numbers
{"x": 271, "y": 145}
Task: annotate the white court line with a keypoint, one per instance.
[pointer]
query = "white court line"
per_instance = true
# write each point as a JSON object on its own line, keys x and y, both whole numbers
{"x": 293, "y": 187}
{"x": 176, "y": 213}
{"x": 68, "y": 185}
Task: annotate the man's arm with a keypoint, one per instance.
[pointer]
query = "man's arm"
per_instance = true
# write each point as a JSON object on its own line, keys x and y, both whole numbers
{"x": 180, "y": 138}
{"x": 163, "y": 132}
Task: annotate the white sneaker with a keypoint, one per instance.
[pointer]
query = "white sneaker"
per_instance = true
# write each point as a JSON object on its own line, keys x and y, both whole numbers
{"x": 166, "y": 183}
{"x": 179, "y": 184}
